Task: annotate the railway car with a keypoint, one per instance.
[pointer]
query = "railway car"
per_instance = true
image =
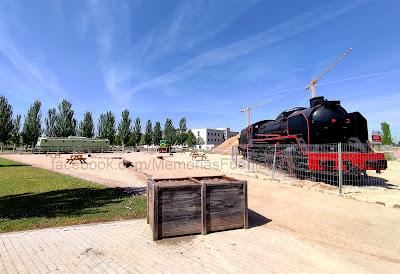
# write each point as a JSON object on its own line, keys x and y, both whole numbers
{"x": 305, "y": 140}
{"x": 71, "y": 144}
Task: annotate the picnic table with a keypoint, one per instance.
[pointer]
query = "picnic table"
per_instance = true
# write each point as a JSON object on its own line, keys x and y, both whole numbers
{"x": 200, "y": 155}
{"x": 76, "y": 157}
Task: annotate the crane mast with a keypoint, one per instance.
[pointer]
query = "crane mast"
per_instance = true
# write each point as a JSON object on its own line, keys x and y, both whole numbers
{"x": 311, "y": 85}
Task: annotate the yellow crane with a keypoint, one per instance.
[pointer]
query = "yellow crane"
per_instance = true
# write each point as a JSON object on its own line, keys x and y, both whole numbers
{"x": 314, "y": 81}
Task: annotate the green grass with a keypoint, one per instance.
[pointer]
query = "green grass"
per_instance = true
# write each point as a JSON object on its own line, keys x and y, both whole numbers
{"x": 33, "y": 198}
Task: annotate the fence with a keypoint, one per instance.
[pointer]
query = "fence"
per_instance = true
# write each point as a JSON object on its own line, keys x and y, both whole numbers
{"x": 340, "y": 165}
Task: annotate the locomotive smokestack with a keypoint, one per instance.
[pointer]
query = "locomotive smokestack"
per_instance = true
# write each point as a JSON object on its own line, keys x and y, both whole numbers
{"x": 319, "y": 100}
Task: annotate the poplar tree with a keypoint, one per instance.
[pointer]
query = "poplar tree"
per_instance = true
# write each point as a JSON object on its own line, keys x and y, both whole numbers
{"x": 32, "y": 128}
{"x": 124, "y": 128}
{"x": 86, "y": 127}
{"x": 6, "y": 122}
{"x": 148, "y": 133}
{"x": 182, "y": 134}
{"x": 169, "y": 131}
{"x": 157, "y": 134}
{"x": 16, "y": 131}
{"x": 106, "y": 128}
{"x": 65, "y": 123}
{"x": 386, "y": 134}
{"x": 50, "y": 122}
{"x": 137, "y": 132}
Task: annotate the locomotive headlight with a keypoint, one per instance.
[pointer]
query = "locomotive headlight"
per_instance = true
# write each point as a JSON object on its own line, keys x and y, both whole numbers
{"x": 333, "y": 121}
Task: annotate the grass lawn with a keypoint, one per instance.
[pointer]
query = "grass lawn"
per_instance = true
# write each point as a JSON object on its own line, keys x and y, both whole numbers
{"x": 36, "y": 198}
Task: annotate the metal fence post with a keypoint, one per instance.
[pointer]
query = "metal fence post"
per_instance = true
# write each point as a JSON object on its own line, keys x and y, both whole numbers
{"x": 236, "y": 155}
{"x": 340, "y": 173}
{"x": 274, "y": 163}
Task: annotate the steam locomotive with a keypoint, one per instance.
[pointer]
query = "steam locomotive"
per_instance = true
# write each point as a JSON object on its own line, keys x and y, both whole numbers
{"x": 305, "y": 140}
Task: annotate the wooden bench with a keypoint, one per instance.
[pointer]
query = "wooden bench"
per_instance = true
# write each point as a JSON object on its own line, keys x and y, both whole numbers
{"x": 78, "y": 157}
{"x": 196, "y": 155}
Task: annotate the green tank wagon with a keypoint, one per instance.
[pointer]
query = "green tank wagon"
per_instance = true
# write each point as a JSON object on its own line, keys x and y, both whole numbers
{"x": 72, "y": 144}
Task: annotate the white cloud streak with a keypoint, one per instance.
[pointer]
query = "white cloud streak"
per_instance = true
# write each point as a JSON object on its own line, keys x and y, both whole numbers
{"x": 40, "y": 76}
{"x": 219, "y": 55}
{"x": 192, "y": 23}
{"x": 36, "y": 77}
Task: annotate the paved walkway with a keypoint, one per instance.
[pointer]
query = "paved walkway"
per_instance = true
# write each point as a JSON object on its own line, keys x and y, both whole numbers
{"x": 126, "y": 246}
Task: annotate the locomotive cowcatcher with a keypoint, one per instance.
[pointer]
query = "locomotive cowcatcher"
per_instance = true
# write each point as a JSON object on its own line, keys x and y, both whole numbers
{"x": 305, "y": 141}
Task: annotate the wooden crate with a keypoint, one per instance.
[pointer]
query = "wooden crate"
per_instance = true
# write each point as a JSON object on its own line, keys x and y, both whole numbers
{"x": 196, "y": 205}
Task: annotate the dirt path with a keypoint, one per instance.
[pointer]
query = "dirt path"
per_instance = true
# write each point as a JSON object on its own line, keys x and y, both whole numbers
{"x": 357, "y": 232}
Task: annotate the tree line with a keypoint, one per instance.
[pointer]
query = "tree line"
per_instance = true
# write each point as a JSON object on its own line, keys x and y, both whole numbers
{"x": 61, "y": 122}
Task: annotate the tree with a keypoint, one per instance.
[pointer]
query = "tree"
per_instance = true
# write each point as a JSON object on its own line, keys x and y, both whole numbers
{"x": 16, "y": 131}
{"x": 86, "y": 127}
{"x": 142, "y": 142}
{"x": 148, "y": 133}
{"x": 124, "y": 128}
{"x": 169, "y": 131}
{"x": 50, "y": 122}
{"x": 117, "y": 140}
{"x": 182, "y": 134}
{"x": 190, "y": 139}
{"x": 137, "y": 132}
{"x": 182, "y": 124}
{"x": 106, "y": 128}
{"x": 32, "y": 126}
{"x": 157, "y": 134}
{"x": 200, "y": 141}
{"x": 6, "y": 122}
{"x": 65, "y": 123}
{"x": 386, "y": 136}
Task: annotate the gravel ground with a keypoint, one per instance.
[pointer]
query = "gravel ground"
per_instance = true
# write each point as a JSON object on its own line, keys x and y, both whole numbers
{"x": 382, "y": 188}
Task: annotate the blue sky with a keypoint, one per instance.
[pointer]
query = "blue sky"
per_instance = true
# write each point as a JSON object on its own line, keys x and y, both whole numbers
{"x": 201, "y": 59}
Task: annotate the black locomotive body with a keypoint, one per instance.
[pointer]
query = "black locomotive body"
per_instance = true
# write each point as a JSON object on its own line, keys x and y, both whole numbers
{"x": 322, "y": 123}
{"x": 310, "y": 134}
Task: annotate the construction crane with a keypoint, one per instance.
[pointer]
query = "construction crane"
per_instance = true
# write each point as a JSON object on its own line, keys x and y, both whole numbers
{"x": 314, "y": 81}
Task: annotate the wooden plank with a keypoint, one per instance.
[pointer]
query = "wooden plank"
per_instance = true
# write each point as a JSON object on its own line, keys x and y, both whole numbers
{"x": 225, "y": 206}
{"x": 155, "y": 213}
{"x": 245, "y": 206}
{"x": 147, "y": 201}
{"x": 204, "y": 208}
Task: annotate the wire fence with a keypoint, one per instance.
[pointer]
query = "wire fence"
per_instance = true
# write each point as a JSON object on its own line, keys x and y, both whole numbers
{"x": 340, "y": 165}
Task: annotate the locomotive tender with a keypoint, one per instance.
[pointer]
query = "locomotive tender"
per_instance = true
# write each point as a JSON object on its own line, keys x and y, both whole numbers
{"x": 307, "y": 140}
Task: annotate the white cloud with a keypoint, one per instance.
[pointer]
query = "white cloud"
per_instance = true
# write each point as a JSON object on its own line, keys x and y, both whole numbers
{"x": 219, "y": 55}
{"x": 36, "y": 77}
{"x": 193, "y": 22}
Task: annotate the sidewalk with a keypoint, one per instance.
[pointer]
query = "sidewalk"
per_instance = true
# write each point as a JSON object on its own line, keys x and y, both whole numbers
{"x": 126, "y": 246}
